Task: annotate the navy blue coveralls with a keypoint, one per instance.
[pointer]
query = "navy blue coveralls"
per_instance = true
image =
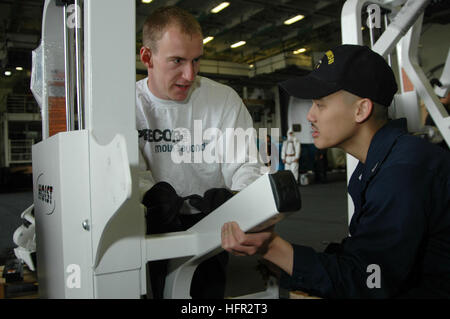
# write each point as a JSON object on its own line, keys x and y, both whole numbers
{"x": 401, "y": 224}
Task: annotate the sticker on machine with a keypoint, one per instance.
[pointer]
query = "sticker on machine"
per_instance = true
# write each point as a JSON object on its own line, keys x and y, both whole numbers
{"x": 45, "y": 195}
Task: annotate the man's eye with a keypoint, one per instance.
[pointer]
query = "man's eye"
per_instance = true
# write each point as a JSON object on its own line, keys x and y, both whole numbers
{"x": 176, "y": 61}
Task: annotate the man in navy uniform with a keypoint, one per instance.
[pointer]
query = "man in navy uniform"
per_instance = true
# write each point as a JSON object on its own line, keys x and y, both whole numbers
{"x": 399, "y": 243}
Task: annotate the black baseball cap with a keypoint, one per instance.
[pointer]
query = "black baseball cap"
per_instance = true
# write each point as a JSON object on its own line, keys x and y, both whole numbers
{"x": 353, "y": 68}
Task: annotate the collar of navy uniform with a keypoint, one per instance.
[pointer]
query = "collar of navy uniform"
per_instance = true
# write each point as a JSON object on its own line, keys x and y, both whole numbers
{"x": 380, "y": 146}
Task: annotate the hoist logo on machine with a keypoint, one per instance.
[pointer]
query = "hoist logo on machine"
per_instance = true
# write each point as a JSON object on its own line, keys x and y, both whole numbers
{"x": 45, "y": 195}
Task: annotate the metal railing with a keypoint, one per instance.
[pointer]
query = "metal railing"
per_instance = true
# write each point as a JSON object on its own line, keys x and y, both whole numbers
{"x": 21, "y": 103}
{"x": 20, "y": 151}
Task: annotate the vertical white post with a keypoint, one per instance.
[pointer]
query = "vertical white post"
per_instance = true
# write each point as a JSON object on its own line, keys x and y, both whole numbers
{"x": 110, "y": 78}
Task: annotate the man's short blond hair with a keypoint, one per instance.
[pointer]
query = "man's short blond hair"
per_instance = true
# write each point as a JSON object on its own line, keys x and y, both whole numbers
{"x": 157, "y": 23}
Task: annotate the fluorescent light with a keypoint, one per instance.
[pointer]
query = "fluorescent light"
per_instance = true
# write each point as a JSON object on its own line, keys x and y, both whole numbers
{"x": 294, "y": 19}
{"x": 8, "y": 73}
{"x": 146, "y": 1}
{"x": 19, "y": 68}
{"x": 237, "y": 44}
{"x": 220, "y": 7}
{"x": 301, "y": 50}
{"x": 207, "y": 39}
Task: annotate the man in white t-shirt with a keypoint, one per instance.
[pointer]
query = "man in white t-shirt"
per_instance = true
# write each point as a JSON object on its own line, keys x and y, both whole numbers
{"x": 186, "y": 122}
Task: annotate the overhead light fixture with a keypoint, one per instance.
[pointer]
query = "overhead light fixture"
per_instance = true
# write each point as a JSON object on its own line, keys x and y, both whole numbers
{"x": 294, "y": 19}
{"x": 207, "y": 39}
{"x": 146, "y": 1}
{"x": 220, "y": 7}
{"x": 301, "y": 50}
{"x": 237, "y": 44}
{"x": 8, "y": 73}
{"x": 251, "y": 66}
{"x": 19, "y": 68}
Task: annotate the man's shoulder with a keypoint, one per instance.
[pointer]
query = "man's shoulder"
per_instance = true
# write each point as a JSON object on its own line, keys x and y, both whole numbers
{"x": 140, "y": 85}
{"x": 416, "y": 152}
{"x": 420, "y": 148}
{"x": 216, "y": 95}
{"x": 207, "y": 83}
{"x": 143, "y": 98}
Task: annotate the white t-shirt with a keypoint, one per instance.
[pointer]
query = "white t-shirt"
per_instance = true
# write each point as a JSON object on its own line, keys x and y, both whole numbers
{"x": 166, "y": 129}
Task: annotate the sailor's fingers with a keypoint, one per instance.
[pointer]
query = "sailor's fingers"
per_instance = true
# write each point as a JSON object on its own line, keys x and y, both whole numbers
{"x": 235, "y": 241}
{"x": 232, "y": 235}
{"x": 233, "y": 238}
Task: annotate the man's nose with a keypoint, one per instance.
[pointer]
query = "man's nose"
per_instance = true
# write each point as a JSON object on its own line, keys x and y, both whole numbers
{"x": 310, "y": 117}
{"x": 189, "y": 72}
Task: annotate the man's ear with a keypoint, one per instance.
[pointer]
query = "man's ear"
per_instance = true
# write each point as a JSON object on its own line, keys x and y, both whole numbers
{"x": 146, "y": 57}
{"x": 363, "y": 110}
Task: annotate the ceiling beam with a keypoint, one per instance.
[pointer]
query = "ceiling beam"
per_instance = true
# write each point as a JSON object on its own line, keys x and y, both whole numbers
{"x": 245, "y": 17}
{"x": 236, "y": 21}
{"x": 256, "y": 50}
{"x": 207, "y": 6}
{"x": 305, "y": 6}
{"x": 262, "y": 29}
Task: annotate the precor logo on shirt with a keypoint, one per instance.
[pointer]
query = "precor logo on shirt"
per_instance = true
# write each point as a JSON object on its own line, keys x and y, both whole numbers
{"x": 160, "y": 135}
{"x": 211, "y": 145}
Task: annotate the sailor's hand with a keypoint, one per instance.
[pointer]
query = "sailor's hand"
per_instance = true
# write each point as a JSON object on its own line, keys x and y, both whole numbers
{"x": 235, "y": 241}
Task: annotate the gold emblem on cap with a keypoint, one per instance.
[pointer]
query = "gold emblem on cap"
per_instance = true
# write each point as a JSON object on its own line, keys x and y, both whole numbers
{"x": 330, "y": 56}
